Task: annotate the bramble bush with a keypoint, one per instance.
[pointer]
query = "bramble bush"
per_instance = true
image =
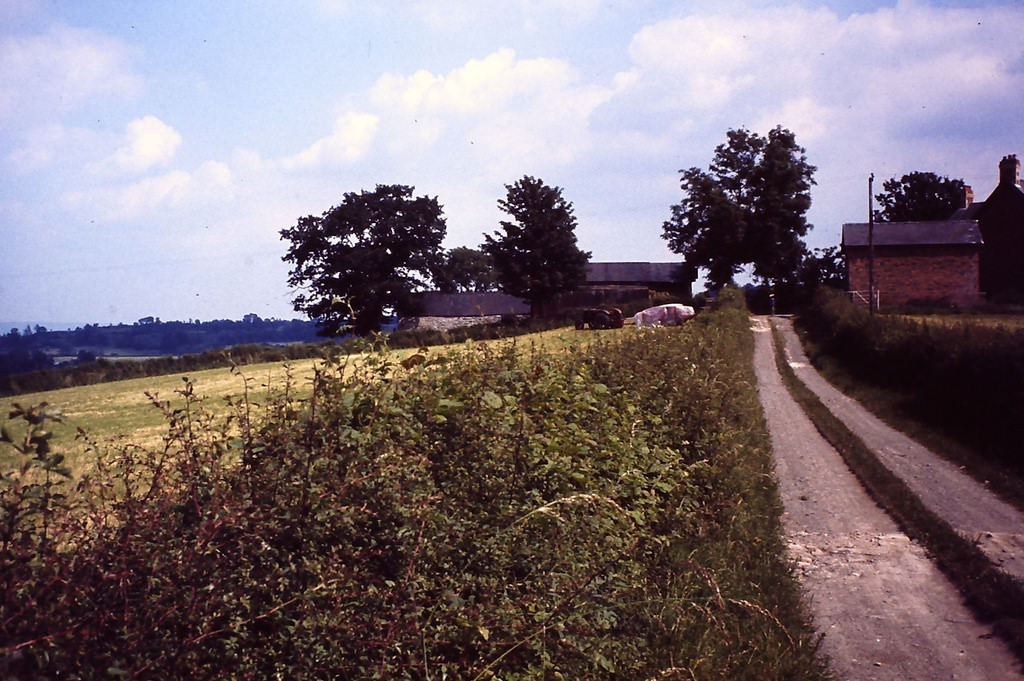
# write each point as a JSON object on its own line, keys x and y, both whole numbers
{"x": 965, "y": 380}
{"x": 488, "y": 512}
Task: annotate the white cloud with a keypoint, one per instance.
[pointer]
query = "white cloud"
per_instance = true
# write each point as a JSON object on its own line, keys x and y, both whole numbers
{"x": 460, "y": 15}
{"x": 894, "y": 70}
{"x": 510, "y": 110}
{"x": 807, "y": 118}
{"x": 350, "y": 140}
{"x": 334, "y": 7}
{"x": 58, "y": 70}
{"x": 41, "y": 145}
{"x": 212, "y": 181}
{"x": 705, "y": 62}
{"x": 148, "y": 142}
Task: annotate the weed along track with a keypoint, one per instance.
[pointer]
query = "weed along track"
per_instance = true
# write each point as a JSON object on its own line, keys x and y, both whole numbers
{"x": 884, "y": 609}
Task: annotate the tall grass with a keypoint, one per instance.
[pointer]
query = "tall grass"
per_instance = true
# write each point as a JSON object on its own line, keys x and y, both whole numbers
{"x": 495, "y": 512}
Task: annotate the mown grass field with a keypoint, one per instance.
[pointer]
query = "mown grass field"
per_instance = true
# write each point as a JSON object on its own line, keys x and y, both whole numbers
{"x": 121, "y": 410}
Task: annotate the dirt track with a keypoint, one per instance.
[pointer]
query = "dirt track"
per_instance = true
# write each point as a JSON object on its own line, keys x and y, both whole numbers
{"x": 885, "y": 611}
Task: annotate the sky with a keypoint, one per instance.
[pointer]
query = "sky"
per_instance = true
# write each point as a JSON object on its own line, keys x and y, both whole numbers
{"x": 151, "y": 152}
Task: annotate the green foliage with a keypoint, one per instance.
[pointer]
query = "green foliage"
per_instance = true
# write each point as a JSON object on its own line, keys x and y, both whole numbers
{"x": 823, "y": 267}
{"x": 465, "y": 269}
{"x": 919, "y": 196}
{"x": 964, "y": 380}
{"x": 364, "y": 256}
{"x": 537, "y": 257}
{"x": 30, "y": 492}
{"x": 496, "y": 512}
{"x": 748, "y": 209}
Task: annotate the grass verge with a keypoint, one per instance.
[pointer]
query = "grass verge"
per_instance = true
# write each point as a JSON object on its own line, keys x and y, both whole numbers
{"x": 991, "y": 594}
{"x": 895, "y": 408}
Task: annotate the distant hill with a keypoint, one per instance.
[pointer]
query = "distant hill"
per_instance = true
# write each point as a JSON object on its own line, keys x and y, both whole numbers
{"x": 30, "y": 347}
{"x": 7, "y": 327}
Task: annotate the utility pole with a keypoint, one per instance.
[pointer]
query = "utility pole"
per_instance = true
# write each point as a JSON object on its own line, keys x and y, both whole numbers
{"x": 871, "y": 245}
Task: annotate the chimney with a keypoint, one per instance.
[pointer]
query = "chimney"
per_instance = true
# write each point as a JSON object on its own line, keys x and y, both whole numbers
{"x": 968, "y": 196}
{"x": 1009, "y": 170}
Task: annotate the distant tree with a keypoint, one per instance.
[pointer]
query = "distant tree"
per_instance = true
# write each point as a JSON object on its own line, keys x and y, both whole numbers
{"x": 748, "y": 209}
{"x": 824, "y": 267}
{"x": 536, "y": 257}
{"x": 364, "y": 256}
{"x": 919, "y": 196}
{"x": 465, "y": 269}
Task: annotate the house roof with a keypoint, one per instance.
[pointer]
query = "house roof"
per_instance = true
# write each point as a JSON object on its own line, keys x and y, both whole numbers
{"x": 968, "y": 212}
{"x": 932, "y": 233}
{"x": 635, "y": 272}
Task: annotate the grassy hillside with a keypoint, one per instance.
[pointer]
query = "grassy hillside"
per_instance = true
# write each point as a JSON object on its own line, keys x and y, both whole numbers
{"x": 580, "y": 506}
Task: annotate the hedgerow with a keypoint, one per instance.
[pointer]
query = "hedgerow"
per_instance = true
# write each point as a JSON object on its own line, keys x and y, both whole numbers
{"x": 962, "y": 379}
{"x": 493, "y": 512}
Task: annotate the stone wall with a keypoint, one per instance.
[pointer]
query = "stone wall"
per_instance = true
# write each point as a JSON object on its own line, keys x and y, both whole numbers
{"x": 445, "y": 323}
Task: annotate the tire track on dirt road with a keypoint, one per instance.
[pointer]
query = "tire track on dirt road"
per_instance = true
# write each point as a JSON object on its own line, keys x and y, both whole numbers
{"x": 886, "y": 612}
{"x": 967, "y": 505}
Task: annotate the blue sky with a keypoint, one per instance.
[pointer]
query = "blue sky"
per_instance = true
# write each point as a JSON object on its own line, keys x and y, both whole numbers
{"x": 150, "y": 152}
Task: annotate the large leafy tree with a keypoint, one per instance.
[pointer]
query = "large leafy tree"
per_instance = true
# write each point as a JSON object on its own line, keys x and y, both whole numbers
{"x": 465, "y": 269}
{"x": 919, "y": 196}
{"x": 536, "y": 257}
{"x": 364, "y": 256}
{"x": 748, "y": 208}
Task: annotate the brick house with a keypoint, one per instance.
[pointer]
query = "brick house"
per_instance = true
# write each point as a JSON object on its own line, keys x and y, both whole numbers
{"x": 1000, "y": 218}
{"x": 916, "y": 262}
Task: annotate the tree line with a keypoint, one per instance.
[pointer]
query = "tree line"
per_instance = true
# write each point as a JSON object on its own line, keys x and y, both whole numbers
{"x": 364, "y": 258}
{"x": 37, "y": 348}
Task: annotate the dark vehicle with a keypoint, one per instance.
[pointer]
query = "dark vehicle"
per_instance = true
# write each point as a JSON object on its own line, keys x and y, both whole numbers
{"x": 598, "y": 318}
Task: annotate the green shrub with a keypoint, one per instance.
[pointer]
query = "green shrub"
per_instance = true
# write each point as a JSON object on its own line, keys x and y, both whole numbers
{"x": 489, "y": 512}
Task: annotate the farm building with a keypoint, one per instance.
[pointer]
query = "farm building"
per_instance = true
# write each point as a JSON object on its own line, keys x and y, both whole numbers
{"x": 977, "y": 253}
{"x": 608, "y": 284}
{"x": 915, "y": 262}
{"x": 1001, "y": 221}
{"x": 611, "y": 284}
{"x": 446, "y": 311}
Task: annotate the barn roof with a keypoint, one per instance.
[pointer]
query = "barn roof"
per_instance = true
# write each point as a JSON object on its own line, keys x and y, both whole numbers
{"x": 932, "y": 233}
{"x": 635, "y": 272}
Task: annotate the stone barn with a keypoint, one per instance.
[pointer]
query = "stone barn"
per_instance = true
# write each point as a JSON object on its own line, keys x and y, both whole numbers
{"x": 932, "y": 263}
{"x": 446, "y": 311}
